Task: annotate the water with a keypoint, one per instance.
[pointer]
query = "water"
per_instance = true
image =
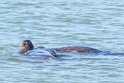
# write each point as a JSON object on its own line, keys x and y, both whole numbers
{"x": 55, "y": 23}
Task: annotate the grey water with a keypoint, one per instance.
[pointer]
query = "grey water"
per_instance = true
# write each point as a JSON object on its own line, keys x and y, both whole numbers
{"x": 55, "y": 23}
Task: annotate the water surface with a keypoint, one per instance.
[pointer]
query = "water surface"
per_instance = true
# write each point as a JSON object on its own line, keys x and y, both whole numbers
{"x": 55, "y": 23}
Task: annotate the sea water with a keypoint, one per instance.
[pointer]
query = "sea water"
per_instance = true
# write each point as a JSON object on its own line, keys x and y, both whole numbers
{"x": 56, "y": 23}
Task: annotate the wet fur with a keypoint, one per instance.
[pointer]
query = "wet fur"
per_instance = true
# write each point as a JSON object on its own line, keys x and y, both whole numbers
{"x": 72, "y": 49}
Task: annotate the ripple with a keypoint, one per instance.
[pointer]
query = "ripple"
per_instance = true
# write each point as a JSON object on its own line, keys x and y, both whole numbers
{"x": 58, "y": 23}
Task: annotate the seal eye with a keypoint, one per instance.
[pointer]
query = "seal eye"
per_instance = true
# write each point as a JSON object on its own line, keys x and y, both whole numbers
{"x": 25, "y": 43}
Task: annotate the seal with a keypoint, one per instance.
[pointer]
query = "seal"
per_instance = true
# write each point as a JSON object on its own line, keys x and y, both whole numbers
{"x": 27, "y": 47}
{"x": 77, "y": 49}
